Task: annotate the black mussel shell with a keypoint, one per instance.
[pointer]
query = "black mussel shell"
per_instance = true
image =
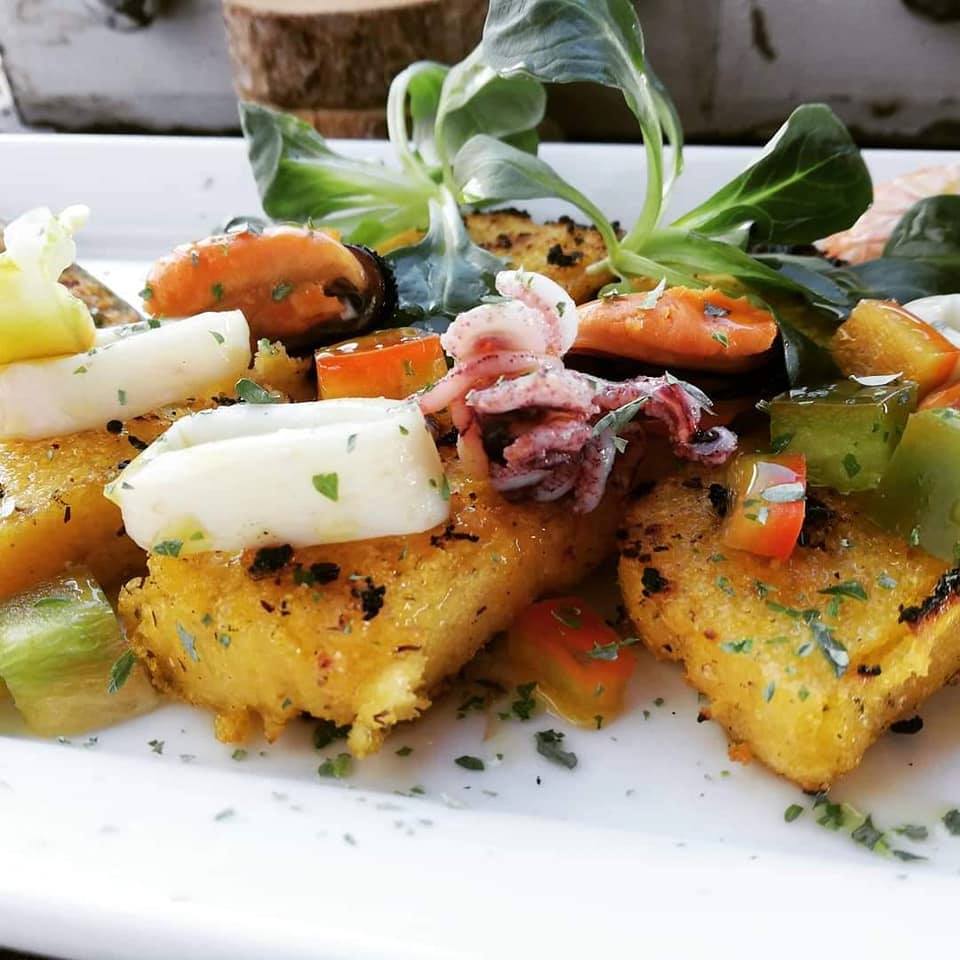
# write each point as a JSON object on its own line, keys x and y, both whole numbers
{"x": 364, "y": 310}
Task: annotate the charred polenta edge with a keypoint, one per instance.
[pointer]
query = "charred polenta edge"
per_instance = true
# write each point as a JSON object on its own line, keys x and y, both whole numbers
{"x": 945, "y": 593}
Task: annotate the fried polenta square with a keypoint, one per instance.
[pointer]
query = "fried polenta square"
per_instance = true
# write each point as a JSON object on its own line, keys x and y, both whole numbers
{"x": 358, "y": 633}
{"x": 760, "y": 638}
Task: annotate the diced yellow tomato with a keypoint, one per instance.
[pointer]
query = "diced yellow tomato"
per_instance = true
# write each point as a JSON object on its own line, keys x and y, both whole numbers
{"x": 945, "y": 397}
{"x": 390, "y": 363}
{"x": 579, "y": 663}
{"x": 766, "y": 513}
{"x": 880, "y": 337}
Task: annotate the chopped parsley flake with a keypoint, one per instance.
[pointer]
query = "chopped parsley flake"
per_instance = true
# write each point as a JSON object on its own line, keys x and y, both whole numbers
{"x": 737, "y": 646}
{"x": 223, "y": 639}
{"x": 724, "y": 584}
{"x": 792, "y": 812}
{"x": 251, "y": 392}
{"x": 470, "y": 763}
{"x": 404, "y": 751}
{"x": 851, "y": 464}
{"x": 867, "y": 834}
{"x": 525, "y": 704}
{"x": 239, "y": 754}
{"x": 721, "y": 338}
{"x": 609, "y": 651}
{"x": 951, "y": 820}
{"x": 404, "y": 432}
{"x": 217, "y": 291}
{"x": 156, "y": 746}
{"x": 769, "y": 690}
{"x": 217, "y": 336}
{"x": 550, "y": 745}
{"x": 912, "y": 832}
{"x": 327, "y": 484}
{"x": 351, "y": 443}
{"x": 337, "y": 767}
{"x": 146, "y": 293}
{"x": 849, "y": 588}
{"x": 168, "y": 548}
{"x": 568, "y": 616}
{"x": 281, "y": 291}
{"x": 835, "y": 652}
{"x": 188, "y": 642}
{"x": 120, "y": 671}
{"x": 122, "y": 397}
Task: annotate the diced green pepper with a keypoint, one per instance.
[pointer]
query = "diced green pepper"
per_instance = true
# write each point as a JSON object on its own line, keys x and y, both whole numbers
{"x": 60, "y": 646}
{"x": 847, "y": 431}
{"x": 919, "y": 495}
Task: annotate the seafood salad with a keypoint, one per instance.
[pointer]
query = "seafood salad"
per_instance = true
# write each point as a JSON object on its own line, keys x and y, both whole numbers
{"x": 390, "y": 423}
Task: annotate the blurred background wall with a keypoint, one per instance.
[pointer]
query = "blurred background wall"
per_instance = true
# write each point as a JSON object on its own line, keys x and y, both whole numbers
{"x": 735, "y": 67}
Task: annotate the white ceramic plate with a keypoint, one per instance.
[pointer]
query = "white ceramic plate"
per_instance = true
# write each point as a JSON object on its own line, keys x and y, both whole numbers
{"x": 655, "y": 845}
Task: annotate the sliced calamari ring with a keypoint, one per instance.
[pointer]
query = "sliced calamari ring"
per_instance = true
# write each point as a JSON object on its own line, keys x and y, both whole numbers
{"x": 125, "y": 378}
{"x": 255, "y": 475}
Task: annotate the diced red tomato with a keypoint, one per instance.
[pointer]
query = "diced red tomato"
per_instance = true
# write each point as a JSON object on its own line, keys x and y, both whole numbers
{"x": 766, "y": 513}
{"x": 580, "y": 664}
{"x": 390, "y": 363}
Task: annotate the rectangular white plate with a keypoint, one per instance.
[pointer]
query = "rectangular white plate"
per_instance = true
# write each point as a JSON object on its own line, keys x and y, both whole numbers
{"x": 655, "y": 845}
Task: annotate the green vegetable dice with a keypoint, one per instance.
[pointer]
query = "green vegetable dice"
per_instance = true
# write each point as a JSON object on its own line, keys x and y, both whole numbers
{"x": 847, "y": 431}
{"x": 65, "y": 661}
{"x": 919, "y": 495}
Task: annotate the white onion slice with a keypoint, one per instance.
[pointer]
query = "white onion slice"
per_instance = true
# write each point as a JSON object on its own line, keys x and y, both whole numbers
{"x": 254, "y": 475}
{"x": 125, "y": 378}
{"x": 942, "y": 313}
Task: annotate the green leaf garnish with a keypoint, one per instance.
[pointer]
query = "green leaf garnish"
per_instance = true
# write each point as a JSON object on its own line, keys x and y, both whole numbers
{"x": 251, "y": 392}
{"x": 120, "y": 671}
{"x": 327, "y": 484}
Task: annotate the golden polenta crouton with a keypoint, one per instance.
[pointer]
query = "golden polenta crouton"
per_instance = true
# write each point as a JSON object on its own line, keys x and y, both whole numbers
{"x": 559, "y": 249}
{"x": 53, "y": 512}
{"x": 53, "y": 509}
{"x": 754, "y": 636}
{"x": 358, "y": 633}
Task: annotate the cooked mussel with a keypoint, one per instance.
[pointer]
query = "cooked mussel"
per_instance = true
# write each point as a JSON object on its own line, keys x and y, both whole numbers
{"x": 295, "y": 284}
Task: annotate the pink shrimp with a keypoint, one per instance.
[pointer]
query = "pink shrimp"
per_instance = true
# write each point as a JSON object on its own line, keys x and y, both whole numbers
{"x": 866, "y": 239}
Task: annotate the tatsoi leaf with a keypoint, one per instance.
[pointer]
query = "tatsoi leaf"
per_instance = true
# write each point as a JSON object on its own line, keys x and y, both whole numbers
{"x": 929, "y": 230}
{"x": 476, "y": 100}
{"x": 445, "y": 273}
{"x": 705, "y": 256}
{"x": 886, "y": 278}
{"x": 488, "y": 170}
{"x": 301, "y": 178}
{"x": 420, "y": 84}
{"x": 810, "y": 182}
{"x": 596, "y": 41}
{"x": 897, "y": 278}
{"x": 807, "y": 363}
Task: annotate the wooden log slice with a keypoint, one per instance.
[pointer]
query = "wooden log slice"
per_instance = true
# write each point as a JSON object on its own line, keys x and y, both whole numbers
{"x": 341, "y": 54}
